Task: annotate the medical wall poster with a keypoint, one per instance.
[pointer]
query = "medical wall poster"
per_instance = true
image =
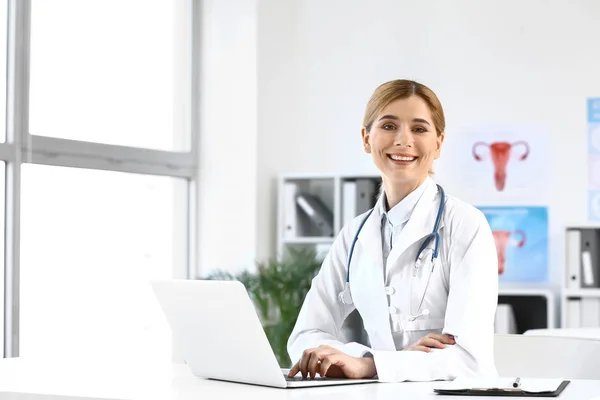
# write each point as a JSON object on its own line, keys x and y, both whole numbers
{"x": 594, "y": 172}
{"x": 502, "y": 159}
{"x": 594, "y": 205}
{"x": 521, "y": 238}
{"x": 594, "y": 159}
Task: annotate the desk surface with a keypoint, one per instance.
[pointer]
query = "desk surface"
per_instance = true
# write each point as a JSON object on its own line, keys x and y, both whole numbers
{"x": 175, "y": 382}
{"x": 582, "y": 333}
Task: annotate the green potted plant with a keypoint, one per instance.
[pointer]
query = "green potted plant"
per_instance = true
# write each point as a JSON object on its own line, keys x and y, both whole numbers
{"x": 278, "y": 289}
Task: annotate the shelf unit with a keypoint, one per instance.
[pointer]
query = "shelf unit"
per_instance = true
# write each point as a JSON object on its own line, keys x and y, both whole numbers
{"x": 329, "y": 190}
{"x": 586, "y": 312}
{"x": 581, "y": 293}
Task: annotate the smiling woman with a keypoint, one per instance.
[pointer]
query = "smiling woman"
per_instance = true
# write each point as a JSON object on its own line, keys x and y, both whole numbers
{"x": 420, "y": 267}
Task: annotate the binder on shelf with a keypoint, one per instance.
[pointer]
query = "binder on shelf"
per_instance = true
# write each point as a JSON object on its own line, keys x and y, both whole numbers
{"x": 290, "y": 214}
{"x": 365, "y": 195}
{"x": 573, "y": 259}
{"x": 573, "y": 312}
{"x": 319, "y": 215}
{"x": 348, "y": 201}
{"x": 358, "y": 196}
{"x": 590, "y": 258}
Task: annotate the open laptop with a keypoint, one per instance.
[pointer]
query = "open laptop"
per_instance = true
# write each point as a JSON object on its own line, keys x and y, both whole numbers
{"x": 221, "y": 337}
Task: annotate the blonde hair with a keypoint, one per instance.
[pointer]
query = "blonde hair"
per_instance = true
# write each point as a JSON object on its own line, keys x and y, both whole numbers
{"x": 391, "y": 91}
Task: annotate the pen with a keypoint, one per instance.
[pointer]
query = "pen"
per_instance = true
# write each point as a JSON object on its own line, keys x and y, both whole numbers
{"x": 517, "y": 382}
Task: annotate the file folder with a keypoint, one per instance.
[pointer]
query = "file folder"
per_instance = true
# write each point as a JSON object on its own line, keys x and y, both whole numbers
{"x": 290, "y": 217}
{"x": 349, "y": 210}
{"x": 358, "y": 197}
{"x": 590, "y": 258}
{"x": 529, "y": 387}
{"x": 365, "y": 195}
{"x": 317, "y": 212}
{"x": 573, "y": 259}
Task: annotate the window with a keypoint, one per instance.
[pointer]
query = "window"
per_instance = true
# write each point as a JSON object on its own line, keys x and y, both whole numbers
{"x": 2, "y": 192}
{"x": 100, "y": 160}
{"x": 88, "y": 251}
{"x": 110, "y": 71}
{"x": 3, "y": 39}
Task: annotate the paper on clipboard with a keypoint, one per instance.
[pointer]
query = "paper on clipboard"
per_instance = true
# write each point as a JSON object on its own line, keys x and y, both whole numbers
{"x": 531, "y": 385}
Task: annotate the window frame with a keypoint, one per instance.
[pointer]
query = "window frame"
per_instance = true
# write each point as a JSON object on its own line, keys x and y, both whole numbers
{"x": 22, "y": 147}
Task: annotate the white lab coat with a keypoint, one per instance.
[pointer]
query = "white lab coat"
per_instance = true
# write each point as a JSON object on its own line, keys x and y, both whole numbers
{"x": 461, "y": 298}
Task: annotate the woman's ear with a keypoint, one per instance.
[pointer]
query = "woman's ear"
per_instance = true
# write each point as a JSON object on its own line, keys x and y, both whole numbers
{"x": 365, "y": 139}
{"x": 439, "y": 142}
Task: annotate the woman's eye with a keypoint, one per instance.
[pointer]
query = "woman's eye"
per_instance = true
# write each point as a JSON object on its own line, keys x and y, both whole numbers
{"x": 420, "y": 129}
{"x": 388, "y": 127}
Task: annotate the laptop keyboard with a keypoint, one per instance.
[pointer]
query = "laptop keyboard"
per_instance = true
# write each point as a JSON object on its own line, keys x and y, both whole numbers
{"x": 298, "y": 378}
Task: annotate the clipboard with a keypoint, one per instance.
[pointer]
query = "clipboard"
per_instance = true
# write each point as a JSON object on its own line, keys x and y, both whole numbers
{"x": 502, "y": 392}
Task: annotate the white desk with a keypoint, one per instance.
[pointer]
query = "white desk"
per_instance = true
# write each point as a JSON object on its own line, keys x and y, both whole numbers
{"x": 174, "y": 382}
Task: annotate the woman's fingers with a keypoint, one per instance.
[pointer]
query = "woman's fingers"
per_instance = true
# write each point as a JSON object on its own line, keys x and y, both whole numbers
{"x": 309, "y": 364}
{"x": 422, "y": 348}
{"x": 446, "y": 339}
{"x": 328, "y": 362}
{"x": 304, "y": 361}
{"x": 322, "y": 353}
{"x": 313, "y": 364}
{"x": 325, "y": 365}
{"x": 294, "y": 370}
{"x": 431, "y": 342}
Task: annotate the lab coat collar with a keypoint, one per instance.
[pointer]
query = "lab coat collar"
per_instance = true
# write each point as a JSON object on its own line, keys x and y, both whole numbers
{"x": 401, "y": 212}
{"x": 419, "y": 225}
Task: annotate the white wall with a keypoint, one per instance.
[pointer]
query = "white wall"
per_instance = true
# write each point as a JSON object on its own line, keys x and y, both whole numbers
{"x": 502, "y": 62}
{"x": 317, "y": 62}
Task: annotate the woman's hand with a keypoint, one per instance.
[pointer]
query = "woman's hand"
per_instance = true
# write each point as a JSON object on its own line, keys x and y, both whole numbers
{"x": 331, "y": 362}
{"x": 431, "y": 341}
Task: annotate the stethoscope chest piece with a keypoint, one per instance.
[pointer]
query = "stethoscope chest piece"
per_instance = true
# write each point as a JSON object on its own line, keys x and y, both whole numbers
{"x": 345, "y": 295}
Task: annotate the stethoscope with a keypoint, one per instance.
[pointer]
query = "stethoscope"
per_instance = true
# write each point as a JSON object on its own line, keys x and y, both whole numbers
{"x": 346, "y": 297}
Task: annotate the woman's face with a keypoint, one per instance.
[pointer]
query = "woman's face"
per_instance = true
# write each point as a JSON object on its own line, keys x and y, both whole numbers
{"x": 403, "y": 141}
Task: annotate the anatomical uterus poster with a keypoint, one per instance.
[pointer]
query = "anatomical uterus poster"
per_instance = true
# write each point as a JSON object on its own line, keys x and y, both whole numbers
{"x": 521, "y": 238}
{"x": 509, "y": 160}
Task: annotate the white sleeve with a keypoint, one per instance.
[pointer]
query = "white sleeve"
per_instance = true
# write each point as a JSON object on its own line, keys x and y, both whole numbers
{"x": 322, "y": 314}
{"x": 470, "y": 313}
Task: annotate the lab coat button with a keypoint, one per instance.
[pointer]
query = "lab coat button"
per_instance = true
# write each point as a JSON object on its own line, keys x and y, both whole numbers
{"x": 393, "y": 310}
{"x": 390, "y": 290}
